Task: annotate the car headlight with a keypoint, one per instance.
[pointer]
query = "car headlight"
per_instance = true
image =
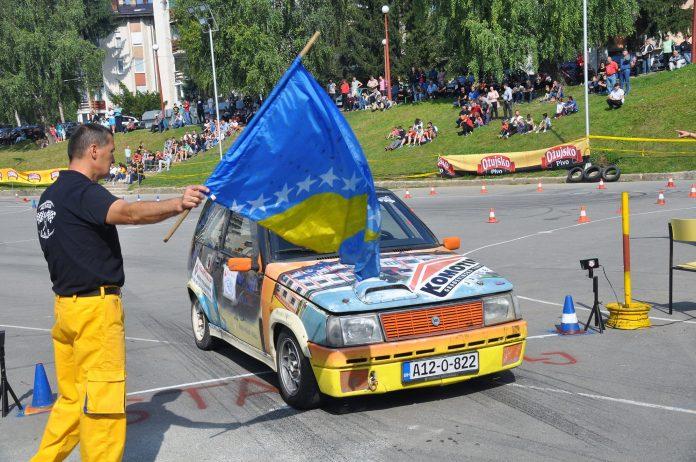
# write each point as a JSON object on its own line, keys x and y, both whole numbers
{"x": 353, "y": 330}
{"x": 498, "y": 309}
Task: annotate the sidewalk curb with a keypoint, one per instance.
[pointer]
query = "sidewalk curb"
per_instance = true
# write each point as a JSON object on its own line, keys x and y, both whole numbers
{"x": 425, "y": 183}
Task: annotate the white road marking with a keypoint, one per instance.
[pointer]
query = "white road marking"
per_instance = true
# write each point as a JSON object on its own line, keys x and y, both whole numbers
{"x": 43, "y": 329}
{"x": 685, "y": 321}
{"x": 608, "y": 398}
{"x": 17, "y": 242}
{"x": 541, "y": 336}
{"x": 16, "y": 211}
{"x": 201, "y": 382}
{"x": 573, "y": 226}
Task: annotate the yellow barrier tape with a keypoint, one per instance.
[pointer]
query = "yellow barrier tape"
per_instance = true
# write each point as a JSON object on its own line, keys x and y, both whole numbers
{"x": 647, "y": 140}
{"x": 643, "y": 151}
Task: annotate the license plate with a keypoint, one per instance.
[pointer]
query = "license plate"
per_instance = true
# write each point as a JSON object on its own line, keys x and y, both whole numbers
{"x": 440, "y": 366}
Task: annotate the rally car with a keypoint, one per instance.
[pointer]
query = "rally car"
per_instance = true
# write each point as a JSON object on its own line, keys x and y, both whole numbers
{"x": 432, "y": 318}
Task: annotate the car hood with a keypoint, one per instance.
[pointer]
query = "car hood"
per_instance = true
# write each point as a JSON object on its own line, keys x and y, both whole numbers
{"x": 407, "y": 279}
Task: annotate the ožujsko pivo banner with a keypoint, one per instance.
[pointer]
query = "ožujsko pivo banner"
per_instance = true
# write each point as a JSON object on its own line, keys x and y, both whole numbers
{"x": 32, "y": 177}
{"x": 561, "y": 156}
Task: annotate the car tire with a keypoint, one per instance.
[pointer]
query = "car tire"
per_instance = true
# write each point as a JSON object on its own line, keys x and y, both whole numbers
{"x": 296, "y": 380}
{"x": 611, "y": 173}
{"x": 574, "y": 175}
{"x": 201, "y": 328}
{"x": 592, "y": 174}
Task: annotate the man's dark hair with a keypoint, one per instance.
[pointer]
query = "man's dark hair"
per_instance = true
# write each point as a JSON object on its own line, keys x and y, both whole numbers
{"x": 85, "y": 136}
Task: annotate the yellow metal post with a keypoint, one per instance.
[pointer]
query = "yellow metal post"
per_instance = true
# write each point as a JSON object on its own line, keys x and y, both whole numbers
{"x": 629, "y": 314}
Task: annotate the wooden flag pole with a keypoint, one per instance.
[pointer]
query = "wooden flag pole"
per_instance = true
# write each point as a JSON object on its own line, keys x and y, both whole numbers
{"x": 185, "y": 213}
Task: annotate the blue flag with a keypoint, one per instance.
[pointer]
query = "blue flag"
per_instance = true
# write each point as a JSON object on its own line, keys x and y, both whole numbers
{"x": 299, "y": 171}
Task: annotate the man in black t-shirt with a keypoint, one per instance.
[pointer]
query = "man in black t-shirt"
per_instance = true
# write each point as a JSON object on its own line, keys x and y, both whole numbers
{"x": 76, "y": 220}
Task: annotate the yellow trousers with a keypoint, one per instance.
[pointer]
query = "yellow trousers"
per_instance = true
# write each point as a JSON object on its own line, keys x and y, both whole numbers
{"x": 90, "y": 351}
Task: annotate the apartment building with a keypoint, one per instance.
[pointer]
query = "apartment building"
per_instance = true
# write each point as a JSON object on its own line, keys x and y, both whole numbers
{"x": 130, "y": 56}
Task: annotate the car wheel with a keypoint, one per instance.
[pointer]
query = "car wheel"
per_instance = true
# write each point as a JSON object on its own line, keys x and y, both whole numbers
{"x": 298, "y": 386}
{"x": 611, "y": 173}
{"x": 574, "y": 175}
{"x": 201, "y": 329}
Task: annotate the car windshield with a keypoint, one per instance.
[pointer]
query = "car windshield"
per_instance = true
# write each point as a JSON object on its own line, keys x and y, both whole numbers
{"x": 401, "y": 230}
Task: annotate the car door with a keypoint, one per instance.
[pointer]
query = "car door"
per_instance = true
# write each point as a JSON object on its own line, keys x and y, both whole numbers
{"x": 239, "y": 293}
{"x": 207, "y": 260}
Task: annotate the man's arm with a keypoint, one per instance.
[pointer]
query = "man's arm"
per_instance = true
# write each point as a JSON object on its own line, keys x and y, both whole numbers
{"x": 148, "y": 212}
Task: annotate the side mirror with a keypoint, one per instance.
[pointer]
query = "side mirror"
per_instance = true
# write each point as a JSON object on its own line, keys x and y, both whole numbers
{"x": 240, "y": 264}
{"x": 452, "y": 243}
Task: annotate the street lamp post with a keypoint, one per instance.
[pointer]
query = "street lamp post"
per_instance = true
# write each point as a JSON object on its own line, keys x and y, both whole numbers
{"x": 205, "y": 17}
{"x": 585, "y": 64}
{"x": 155, "y": 47}
{"x": 387, "y": 70}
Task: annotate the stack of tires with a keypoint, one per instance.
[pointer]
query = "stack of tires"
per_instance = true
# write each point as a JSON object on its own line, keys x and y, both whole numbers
{"x": 593, "y": 173}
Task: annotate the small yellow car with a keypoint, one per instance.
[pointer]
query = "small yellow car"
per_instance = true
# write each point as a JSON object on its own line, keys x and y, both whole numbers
{"x": 432, "y": 318}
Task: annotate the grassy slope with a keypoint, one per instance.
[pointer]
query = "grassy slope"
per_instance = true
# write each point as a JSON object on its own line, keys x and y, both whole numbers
{"x": 658, "y": 105}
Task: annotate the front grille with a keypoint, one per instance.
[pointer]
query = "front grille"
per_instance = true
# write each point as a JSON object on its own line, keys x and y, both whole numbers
{"x": 402, "y": 325}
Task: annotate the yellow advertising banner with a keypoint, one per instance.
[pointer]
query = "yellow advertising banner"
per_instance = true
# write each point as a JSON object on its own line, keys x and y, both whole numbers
{"x": 32, "y": 177}
{"x": 560, "y": 156}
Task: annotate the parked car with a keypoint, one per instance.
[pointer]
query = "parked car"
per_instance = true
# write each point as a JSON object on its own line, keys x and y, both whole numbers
{"x": 433, "y": 318}
{"x": 6, "y": 135}
{"x": 70, "y": 128}
{"x": 148, "y": 118}
{"x": 127, "y": 120}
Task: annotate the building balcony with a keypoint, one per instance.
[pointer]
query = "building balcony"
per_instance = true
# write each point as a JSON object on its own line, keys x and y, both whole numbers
{"x": 133, "y": 10}
{"x": 97, "y": 105}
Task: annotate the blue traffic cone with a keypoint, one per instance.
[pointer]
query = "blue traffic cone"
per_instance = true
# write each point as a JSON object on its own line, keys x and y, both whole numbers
{"x": 138, "y": 197}
{"x": 42, "y": 399}
{"x": 569, "y": 319}
{"x": 158, "y": 198}
{"x": 33, "y": 203}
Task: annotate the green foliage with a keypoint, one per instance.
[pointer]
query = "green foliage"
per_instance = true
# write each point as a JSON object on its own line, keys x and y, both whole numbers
{"x": 48, "y": 53}
{"x": 660, "y": 16}
{"x": 135, "y": 104}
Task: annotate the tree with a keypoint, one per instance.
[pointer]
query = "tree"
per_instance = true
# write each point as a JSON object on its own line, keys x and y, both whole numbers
{"x": 49, "y": 54}
{"x": 658, "y": 17}
{"x": 137, "y": 103}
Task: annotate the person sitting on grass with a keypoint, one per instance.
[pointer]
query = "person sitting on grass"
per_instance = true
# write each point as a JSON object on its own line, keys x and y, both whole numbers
{"x": 560, "y": 109}
{"x": 616, "y": 97}
{"x": 517, "y": 124}
{"x": 467, "y": 126}
{"x": 398, "y": 139}
{"x": 571, "y": 106}
{"x": 431, "y": 130}
{"x": 504, "y": 129}
{"x": 676, "y": 61}
{"x": 545, "y": 124}
{"x": 529, "y": 123}
{"x": 394, "y": 133}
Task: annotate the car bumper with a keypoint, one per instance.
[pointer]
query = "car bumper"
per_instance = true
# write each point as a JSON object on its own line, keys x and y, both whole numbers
{"x": 375, "y": 369}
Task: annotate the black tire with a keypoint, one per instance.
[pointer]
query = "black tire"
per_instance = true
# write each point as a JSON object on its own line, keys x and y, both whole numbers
{"x": 574, "y": 175}
{"x": 611, "y": 173}
{"x": 592, "y": 174}
{"x": 297, "y": 386}
{"x": 201, "y": 328}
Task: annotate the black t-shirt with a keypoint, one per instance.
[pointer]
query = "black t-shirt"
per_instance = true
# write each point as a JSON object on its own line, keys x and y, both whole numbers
{"x": 82, "y": 251}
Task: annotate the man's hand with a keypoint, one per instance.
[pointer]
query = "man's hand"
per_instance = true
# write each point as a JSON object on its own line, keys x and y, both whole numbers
{"x": 686, "y": 134}
{"x": 193, "y": 196}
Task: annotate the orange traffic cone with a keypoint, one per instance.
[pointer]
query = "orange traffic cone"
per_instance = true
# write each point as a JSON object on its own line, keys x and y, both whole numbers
{"x": 491, "y": 216}
{"x": 583, "y": 215}
{"x": 539, "y": 187}
{"x": 601, "y": 184}
{"x": 483, "y": 188}
{"x": 661, "y": 198}
{"x": 432, "y": 191}
{"x": 407, "y": 195}
{"x": 670, "y": 183}
{"x": 693, "y": 191}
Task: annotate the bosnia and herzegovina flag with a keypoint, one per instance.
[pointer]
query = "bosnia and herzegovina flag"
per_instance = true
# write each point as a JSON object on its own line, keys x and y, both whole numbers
{"x": 299, "y": 171}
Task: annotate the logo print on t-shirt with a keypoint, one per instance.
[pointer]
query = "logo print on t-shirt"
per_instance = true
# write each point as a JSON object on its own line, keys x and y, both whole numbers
{"x": 44, "y": 218}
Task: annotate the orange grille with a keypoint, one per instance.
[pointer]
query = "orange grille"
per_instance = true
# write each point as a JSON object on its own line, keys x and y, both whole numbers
{"x": 404, "y": 325}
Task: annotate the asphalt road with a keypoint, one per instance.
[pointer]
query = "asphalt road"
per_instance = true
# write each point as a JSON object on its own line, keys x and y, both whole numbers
{"x": 622, "y": 395}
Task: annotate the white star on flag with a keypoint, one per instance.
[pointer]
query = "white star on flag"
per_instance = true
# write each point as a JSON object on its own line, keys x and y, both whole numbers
{"x": 351, "y": 183}
{"x": 236, "y": 207}
{"x": 328, "y": 178}
{"x": 258, "y": 204}
{"x": 283, "y": 194}
{"x": 304, "y": 185}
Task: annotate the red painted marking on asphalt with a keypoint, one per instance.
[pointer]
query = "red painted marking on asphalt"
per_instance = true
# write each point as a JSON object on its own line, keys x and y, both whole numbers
{"x": 244, "y": 392}
{"x": 195, "y": 396}
{"x": 545, "y": 360}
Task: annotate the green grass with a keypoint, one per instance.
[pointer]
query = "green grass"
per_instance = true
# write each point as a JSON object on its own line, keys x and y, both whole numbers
{"x": 658, "y": 105}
